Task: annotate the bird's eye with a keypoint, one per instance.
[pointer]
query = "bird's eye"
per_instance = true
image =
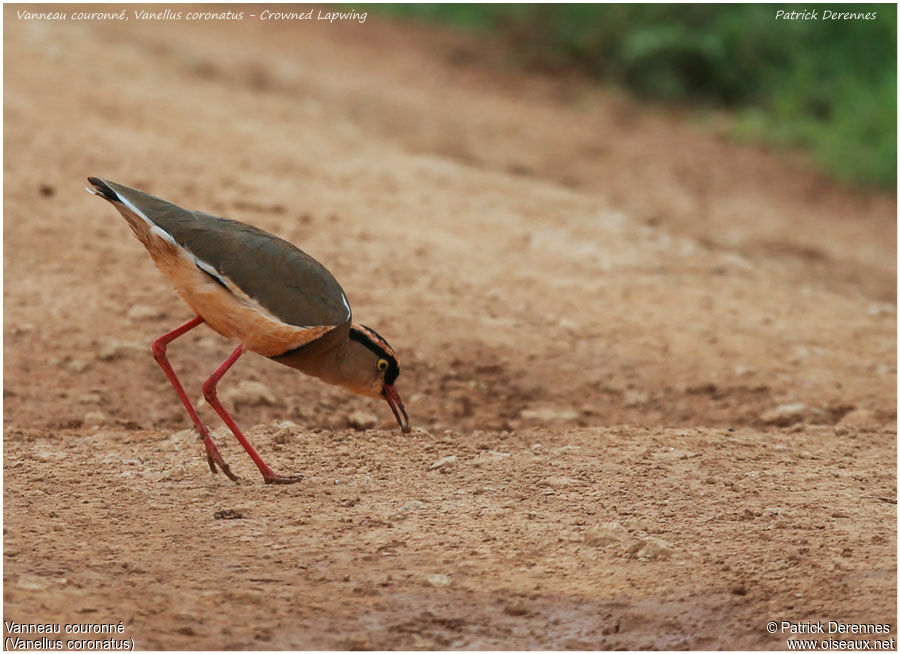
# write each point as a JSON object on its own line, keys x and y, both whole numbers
{"x": 382, "y": 364}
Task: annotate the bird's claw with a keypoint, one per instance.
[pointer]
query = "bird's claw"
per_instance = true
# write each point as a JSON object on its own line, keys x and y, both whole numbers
{"x": 214, "y": 459}
{"x": 282, "y": 479}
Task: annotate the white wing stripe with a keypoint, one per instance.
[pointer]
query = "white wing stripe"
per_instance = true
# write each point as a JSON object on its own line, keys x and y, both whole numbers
{"x": 164, "y": 235}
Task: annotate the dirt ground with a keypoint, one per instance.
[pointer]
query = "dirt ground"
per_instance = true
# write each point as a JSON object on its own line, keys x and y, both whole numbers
{"x": 652, "y": 373}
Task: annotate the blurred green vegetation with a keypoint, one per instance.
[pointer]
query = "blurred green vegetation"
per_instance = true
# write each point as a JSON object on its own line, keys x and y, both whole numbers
{"x": 829, "y": 86}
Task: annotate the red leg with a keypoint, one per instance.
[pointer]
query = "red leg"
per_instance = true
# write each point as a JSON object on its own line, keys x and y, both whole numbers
{"x": 209, "y": 392}
{"x": 159, "y": 353}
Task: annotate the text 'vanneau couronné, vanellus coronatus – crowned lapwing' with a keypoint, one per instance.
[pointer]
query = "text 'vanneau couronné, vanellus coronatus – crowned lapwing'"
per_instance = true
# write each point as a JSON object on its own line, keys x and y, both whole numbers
{"x": 266, "y": 294}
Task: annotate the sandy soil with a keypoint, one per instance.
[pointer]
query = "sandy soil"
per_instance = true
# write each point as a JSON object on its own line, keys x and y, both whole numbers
{"x": 664, "y": 365}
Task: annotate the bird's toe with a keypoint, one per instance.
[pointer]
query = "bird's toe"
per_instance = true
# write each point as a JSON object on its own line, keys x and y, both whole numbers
{"x": 282, "y": 479}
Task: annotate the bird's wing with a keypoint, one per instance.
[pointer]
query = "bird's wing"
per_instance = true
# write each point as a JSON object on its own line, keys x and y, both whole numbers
{"x": 292, "y": 285}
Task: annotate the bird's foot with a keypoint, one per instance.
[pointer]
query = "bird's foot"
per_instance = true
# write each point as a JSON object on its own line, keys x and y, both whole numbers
{"x": 213, "y": 462}
{"x": 275, "y": 478}
{"x": 213, "y": 458}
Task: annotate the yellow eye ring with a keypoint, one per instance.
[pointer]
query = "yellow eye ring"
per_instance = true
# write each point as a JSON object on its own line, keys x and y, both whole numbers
{"x": 382, "y": 364}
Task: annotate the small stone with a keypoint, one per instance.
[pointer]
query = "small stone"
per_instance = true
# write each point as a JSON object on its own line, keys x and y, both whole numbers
{"x": 286, "y": 432}
{"x": 882, "y": 309}
{"x": 605, "y": 533}
{"x": 549, "y": 414}
{"x": 250, "y": 393}
{"x": 94, "y": 418}
{"x": 33, "y": 582}
{"x": 46, "y": 453}
{"x": 557, "y": 482}
{"x": 672, "y": 454}
{"x": 860, "y": 420}
{"x": 362, "y": 420}
{"x": 228, "y": 514}
{"x": 447, "y": 463}
{"x": 412, "y": 505}
{"x": 786, "y": 414}
{"x": 651, "y": 549}
{"x": 358, "y": 642}
{"x": 93, "y": 397}
{"x": 144, "y": 312}
{"x": 632, "y": 399}
{"x": 884, "y": 369}
{"x": 565, "y": 449}
{"x": 112, "y": 350}
{"x": 516, "y": 608}
{"x": 75, "y": 365}
{"x": 438, "y": 580}
{"x": 489, "y": 457}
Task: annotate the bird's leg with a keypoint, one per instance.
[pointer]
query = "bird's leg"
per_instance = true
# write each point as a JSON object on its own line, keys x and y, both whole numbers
{"x": 159, "y": 353}
{"x": 209, "y": 392}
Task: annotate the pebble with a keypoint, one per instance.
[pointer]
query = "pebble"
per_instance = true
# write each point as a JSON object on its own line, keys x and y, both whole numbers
{"x": 515, "y": 608}
{"x": 549, "y": 414}
{"x": 447, "y": 462}
{"x": 674, "y": 455}
{"x": 144, "y": 312}
{"x": 438, "y": 580}
{"x": 33, "y": 582}
{"x": 249, "y": 392}
{"x": 357, "y": 642}
{"x": 94, "y": 418}
{"x": 47, "y": 453}
{"x": 882, "y": 309}
{"x": 605, "y": 533}
{"x": 412, "y": 505}
{"x": 557, "y": 482}
{"x": 632, "y": 399}
{"x": 362, "y": 420}
{"x": 858, "y": 420}
{"x": 651, "y": 549}
{"x": 112, "y": 350}
{"x": 75, "y": 365}
{"x": 565, "y": 449}
{"x": 489, "y": 457}
{"x": 228, "y": 514}
{"x": 786, "y": 414}
{"x": 285, "y": 433}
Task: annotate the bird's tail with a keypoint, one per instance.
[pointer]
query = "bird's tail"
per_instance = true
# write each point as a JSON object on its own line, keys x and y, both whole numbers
{"x": 154, "y": 238}
{"x": 102, "y": 189}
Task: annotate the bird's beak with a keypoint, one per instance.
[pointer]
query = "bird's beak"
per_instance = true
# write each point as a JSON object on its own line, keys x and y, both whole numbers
{"x": 393, "y": 398}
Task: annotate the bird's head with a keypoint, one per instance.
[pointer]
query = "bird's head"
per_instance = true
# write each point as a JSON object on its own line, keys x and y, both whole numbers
{"x": 376, "y": 370}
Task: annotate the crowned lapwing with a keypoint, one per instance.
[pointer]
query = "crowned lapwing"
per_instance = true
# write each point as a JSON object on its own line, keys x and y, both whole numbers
{"x": 262, "y": 292}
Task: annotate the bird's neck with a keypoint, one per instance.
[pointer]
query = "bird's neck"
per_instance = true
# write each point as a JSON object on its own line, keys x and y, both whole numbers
{"x": 338, "y": 361}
